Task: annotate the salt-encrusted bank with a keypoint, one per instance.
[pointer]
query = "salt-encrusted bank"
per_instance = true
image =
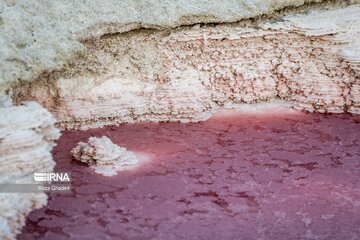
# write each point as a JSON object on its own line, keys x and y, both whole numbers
{"x": 38, "y": 36}
{"x": 310, "y": 60}
{"x": 27, "y": 135}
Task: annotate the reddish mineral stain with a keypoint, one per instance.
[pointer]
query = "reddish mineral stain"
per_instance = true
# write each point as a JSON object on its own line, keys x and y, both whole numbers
{"x": 239, "y": 176}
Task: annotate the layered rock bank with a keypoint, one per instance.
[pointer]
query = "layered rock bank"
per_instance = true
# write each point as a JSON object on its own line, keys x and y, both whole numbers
{"x": 311, "y": 60}
{"x": 43, "y": 35}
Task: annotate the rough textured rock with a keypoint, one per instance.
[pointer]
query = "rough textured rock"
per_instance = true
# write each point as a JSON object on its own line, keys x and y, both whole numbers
{"x": 102, "y": 155}
{"x": 310, "y": 60}
{"x": 41, "y": 36}
{"x": 27, "y": 136}
{"x": 341, "y": 27}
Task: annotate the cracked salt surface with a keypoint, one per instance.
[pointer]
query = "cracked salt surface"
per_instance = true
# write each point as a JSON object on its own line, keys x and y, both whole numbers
{"x": 235, "y": 176}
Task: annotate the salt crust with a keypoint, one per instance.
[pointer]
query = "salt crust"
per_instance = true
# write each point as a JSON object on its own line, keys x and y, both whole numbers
{"x": 102, "y": 155}
{"x": 38, "y": 36}
{"x": 310, "y": 60}
{"x": 27, "y": 135}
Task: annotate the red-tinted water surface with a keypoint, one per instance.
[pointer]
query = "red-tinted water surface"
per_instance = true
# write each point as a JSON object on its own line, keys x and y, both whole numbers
{"x": 237, "y": 176}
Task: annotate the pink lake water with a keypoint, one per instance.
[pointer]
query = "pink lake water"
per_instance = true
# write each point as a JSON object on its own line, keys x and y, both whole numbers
{"x": 235, "y": 176}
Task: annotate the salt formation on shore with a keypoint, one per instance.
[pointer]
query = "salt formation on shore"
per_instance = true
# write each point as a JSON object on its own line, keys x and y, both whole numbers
{"x": 310, "y": 60}
{"x": 102, "y": 155}
{"x": 27, "y": 135}
{"x": 38, "y": 36}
